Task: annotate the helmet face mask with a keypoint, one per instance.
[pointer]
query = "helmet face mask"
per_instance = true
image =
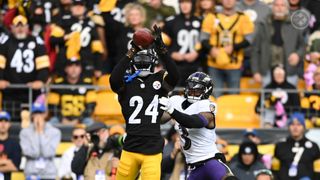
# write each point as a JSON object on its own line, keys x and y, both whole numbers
{"x": 145, "y": 62}
{"x": 198, "y": 86}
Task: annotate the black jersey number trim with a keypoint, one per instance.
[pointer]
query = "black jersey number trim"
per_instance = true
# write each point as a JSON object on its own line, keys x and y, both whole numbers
{"x": 151, "y": 110}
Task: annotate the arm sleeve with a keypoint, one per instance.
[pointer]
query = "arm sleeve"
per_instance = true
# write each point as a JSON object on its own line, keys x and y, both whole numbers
{"x": 78, "y": 163}
{"x": 301, "y": 46}
{"x": 190, "y": 121}
{"x": 173, "y": 76}
{"x": 3, "y": 58}
{"x": 117, "y": 75}
{"x": 245, "y": 43}
{"x": 16, "y": 156}
{"x": 29, "y": 144}
{"x": 49, "y": 142}
{"x": 43, "y": 75}
{"x": 255, "y": 53}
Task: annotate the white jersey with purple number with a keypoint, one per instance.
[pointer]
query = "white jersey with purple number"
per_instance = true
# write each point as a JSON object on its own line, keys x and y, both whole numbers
{"x": 198, "y": 144}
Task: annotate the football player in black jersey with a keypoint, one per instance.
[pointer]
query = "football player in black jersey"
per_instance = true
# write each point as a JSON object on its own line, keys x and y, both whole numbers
{"x": 139, "y": 94}
{"x": 183, "y": 31}
{"x": 23, "y": 60}
{"x": 79, "y": 32}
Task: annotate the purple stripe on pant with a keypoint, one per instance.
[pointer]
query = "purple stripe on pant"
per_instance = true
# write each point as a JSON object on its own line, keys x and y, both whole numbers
{"x": 212, "y": 170}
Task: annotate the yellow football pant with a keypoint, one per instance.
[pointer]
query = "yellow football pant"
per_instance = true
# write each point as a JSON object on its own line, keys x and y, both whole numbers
{"x": 131, "y": 163}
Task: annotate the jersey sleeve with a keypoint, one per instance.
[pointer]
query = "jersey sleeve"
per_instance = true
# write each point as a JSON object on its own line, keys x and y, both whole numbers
{"x": 41, "y": 57}
{"x": 247, "y": 25}
{"x": 208, "y": 23}
{"x": 91, "y": 95}
{"x": 208, "y": 106}
{"x": 54, "y": 95}
{"x": 3, "y": 56}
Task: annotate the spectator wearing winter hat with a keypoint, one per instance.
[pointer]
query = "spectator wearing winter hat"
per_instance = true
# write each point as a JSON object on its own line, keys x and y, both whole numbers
{"x": 10, "y": 151}
{"x": 297, "y": 157}
{"x": 248, "y": 161}
{"x": 38, "y": 143}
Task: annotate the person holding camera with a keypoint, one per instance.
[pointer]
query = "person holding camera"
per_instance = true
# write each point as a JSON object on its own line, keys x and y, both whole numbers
{"x": 94, "y": 160}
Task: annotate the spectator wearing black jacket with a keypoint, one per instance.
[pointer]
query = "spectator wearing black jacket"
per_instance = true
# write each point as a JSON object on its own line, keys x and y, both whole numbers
{"x": 297, "y": 157}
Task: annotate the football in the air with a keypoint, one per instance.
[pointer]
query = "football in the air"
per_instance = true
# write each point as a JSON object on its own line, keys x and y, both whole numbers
{"x": 143, "y": 37}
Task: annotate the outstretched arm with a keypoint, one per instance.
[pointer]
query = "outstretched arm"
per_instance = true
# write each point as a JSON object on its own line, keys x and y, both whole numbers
{"x": 172, "y": 77}
{"x": 204, "y": 119}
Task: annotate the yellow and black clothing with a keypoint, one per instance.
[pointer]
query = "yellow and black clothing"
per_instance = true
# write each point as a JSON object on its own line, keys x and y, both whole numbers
{"x": 139, "y": 99}
{"x": 83, "y": 38}
{"x": 22, "y": 61}
{"x": 310, "y": 105}
{"x": 76, "y": 103}
{"x": 227, "y": 30}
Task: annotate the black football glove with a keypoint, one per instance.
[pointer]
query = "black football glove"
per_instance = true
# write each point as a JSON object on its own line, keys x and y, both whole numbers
{"x": 160, "y": 47}
{"x": 133, "y": 50}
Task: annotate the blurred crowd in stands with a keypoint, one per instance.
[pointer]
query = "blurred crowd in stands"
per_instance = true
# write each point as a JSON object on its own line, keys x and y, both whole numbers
{"x": 74, "y": 43}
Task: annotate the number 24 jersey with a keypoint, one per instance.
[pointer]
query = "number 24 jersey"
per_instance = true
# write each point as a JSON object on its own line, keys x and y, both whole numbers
{"x": 140, "y": 107}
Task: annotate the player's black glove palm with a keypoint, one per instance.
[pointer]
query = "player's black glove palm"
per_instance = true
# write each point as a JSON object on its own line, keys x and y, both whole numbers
{"x": 159, "y": 44}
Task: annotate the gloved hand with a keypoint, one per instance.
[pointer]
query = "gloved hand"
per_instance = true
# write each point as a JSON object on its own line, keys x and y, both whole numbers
{"x": 160, "y": 47}
{"x": 133, "y": 50}
{"x": 166, "y": 105}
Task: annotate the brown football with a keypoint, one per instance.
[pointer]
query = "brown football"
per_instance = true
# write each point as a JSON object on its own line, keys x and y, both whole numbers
{"x": 143, "y": 38}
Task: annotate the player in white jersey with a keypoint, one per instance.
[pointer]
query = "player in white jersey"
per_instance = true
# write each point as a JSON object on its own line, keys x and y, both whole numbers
{"x": 195, "y": 121}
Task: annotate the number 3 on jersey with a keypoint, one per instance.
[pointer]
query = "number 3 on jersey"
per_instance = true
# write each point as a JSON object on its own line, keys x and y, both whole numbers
{"x": 151, "y": 110}
{"x": 22, "y": 61}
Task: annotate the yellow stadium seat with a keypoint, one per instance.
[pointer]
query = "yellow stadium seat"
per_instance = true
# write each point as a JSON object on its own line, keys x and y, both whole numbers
{"x": 104, "y": 81}
{"x": 248, "y": 83}
{"x": 62, "y": 147}
{"x": 108, "y": 107}
{"x": 17, "y": 176}
{"x": 237, "y": 111}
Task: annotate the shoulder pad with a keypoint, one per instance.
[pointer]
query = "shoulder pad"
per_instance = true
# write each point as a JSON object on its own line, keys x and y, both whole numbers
{"x": 39, "y": 40}
{"x": 87, "y": 80}
{"x": 59, "y": 80}
{"x": 170, "y": 18}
